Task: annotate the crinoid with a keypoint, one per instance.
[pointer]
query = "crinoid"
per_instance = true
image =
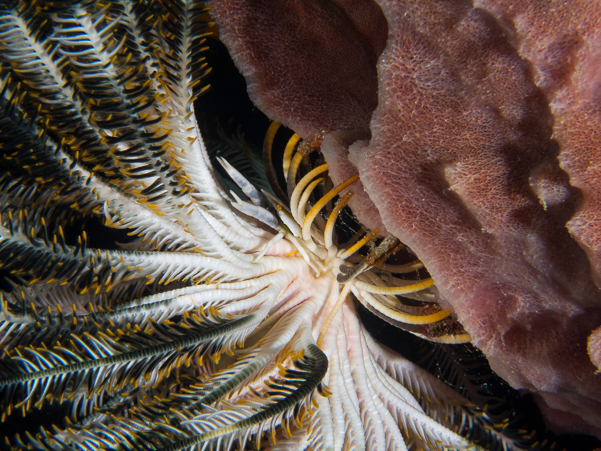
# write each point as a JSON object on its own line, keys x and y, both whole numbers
{"x": 97, "y": 119}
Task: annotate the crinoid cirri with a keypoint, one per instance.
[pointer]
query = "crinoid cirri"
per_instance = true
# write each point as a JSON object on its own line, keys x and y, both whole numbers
{"x": 229, "y": 319}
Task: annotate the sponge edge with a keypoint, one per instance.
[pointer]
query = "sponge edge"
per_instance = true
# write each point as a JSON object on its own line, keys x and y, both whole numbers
{"x": 309, "y": 65}
{"x": 335, "y": 148}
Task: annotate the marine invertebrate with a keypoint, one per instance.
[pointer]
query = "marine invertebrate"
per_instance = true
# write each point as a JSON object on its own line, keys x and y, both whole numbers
{"x": 97, "y": 119}
{"x": 481, "y": 155}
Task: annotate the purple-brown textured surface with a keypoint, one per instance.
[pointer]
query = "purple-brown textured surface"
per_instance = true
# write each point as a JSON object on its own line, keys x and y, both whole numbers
{"x": 310, "y": 65}
{"x": 484, "y": 158}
